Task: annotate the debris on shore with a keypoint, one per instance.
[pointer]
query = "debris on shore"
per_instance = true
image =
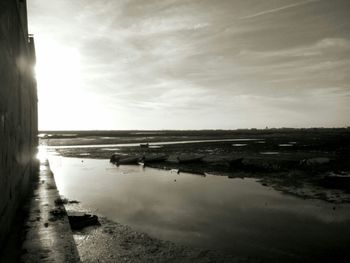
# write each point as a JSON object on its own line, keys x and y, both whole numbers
{"x": 79, "y": 220}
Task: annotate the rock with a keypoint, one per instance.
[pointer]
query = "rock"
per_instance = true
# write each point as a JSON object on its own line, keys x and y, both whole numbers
{"x": 58, "y": 212}
{"x": 81, "y": 220}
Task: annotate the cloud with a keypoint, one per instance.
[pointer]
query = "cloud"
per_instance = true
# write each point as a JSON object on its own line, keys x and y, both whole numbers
{"x": 155, "y": 63}
{"x": 274, "y": 10}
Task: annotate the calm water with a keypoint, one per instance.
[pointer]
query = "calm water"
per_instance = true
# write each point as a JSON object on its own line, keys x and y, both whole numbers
{"x": 138, "y": 144}
{"x": 239, "y": 215}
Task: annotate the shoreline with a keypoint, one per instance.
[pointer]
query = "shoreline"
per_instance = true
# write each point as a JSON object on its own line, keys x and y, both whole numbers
{"x": 300, "y": 173}
{"x": 115, "y": 242}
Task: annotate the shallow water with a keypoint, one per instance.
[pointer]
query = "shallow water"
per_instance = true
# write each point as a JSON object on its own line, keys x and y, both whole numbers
{"x": 138, "y": 144}
{"x": 237, "y": 215}
{"x": 270, "y": 153}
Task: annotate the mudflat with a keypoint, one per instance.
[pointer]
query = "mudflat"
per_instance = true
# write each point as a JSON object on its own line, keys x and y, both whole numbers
{"x": 310, "y": 163}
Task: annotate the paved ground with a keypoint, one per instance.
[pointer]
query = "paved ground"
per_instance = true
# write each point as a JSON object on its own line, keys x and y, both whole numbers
{"x": 48, "y": 234}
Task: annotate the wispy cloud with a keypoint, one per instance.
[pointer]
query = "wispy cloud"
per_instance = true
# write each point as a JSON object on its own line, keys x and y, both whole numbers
{"x": 274, "y": 10}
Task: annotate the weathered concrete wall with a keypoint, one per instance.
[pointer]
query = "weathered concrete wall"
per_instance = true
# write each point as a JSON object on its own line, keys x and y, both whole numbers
{"x": 18, "y": 111}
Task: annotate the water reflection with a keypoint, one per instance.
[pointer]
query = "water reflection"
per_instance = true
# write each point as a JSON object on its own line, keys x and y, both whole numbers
{"x": 239, "y": 215}
{"x": 152, "y": 144}
{"x": 239, "y": 144}
{"x": 42, "y": 154}
{"x": 269, "y": 153}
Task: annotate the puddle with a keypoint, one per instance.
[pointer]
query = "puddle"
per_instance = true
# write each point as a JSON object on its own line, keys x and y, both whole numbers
{"x": 155, "y": 146}
{"x": 110, "y": 149}
{"x": 268, "y": 153}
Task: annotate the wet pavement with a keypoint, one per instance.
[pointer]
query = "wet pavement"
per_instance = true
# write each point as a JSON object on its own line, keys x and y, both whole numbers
{"x": 48, "y": 234}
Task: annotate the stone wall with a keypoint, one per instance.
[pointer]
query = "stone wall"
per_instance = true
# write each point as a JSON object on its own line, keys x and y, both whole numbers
{"x": 18, "y": 111}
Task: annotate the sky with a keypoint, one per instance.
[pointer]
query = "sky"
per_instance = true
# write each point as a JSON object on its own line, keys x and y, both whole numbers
{"x": 191, "y": 64}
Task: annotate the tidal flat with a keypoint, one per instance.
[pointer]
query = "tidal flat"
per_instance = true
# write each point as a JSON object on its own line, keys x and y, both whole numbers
{"x": 295, "y": 161}
{"x": 252, "y": 196}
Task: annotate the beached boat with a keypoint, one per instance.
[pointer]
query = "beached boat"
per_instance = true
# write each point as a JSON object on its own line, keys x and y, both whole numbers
{"x": 154, "y": 158}
{"x": 189, "y": 158}
{"x": 234, "y": 162}
{"x": 129, "y": 160}
{"x": 118, "y": 160}
{"x": 114, "y": 158}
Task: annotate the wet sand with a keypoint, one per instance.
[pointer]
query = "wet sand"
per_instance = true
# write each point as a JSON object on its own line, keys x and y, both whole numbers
{"x": 114, "y": 242}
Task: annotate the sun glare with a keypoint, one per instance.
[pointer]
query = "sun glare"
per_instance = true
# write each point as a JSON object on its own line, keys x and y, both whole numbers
{"x": 58, "y": 73}
{"x": 57, "y": 67}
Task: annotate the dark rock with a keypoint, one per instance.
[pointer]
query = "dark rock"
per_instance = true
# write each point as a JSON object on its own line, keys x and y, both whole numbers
{"x": 58, "y": 212}
{"x": 80, "y": 220}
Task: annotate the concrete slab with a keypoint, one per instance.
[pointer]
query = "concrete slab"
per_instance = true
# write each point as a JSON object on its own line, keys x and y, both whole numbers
{"x": 49, "y": 237}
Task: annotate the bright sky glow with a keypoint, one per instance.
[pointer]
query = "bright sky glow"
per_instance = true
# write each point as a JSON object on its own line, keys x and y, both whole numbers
{"x": 199, "y": 64}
